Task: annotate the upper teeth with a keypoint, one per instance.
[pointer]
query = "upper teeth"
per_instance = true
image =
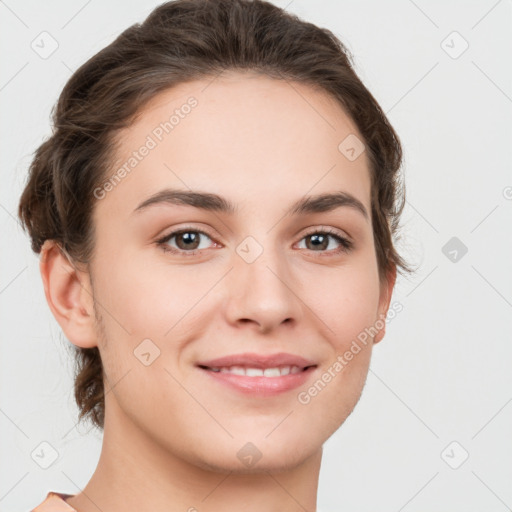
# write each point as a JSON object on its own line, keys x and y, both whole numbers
{"x": 258, "y": 372}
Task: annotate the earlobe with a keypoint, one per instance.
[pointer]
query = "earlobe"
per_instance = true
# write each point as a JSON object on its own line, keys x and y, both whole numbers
{"x": 69, "y": 295}
{"x": 385, "y": 300}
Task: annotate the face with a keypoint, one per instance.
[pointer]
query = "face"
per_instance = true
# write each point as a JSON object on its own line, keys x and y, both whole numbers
{"x": 283, "y": 292}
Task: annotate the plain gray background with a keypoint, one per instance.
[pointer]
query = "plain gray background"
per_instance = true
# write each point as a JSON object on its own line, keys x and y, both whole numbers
{"x": 432, "y": 431}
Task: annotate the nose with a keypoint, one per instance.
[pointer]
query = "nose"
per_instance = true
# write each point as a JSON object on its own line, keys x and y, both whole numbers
{"x": 263, "y": 294}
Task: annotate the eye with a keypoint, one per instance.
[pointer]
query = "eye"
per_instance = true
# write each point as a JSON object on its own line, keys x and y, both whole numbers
{"x": 188, "y": 241}
{"x": 320, "y": 239}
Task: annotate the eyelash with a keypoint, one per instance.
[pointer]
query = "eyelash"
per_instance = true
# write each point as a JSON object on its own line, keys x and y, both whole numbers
{"x": 346, "y": 245}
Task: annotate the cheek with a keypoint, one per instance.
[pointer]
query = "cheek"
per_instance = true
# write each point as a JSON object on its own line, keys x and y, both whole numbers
{"x": 346, "y": 300}
{"x": 148, "y": 301}
{"x": 348, "y": 308}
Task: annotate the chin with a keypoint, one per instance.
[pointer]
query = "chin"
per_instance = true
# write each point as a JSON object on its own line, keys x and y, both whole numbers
{"x": 258, "y": 456}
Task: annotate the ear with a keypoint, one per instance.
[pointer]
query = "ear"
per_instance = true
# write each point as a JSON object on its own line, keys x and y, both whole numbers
{"x": 386, "y": 291}
{"x": 68, "y": 292}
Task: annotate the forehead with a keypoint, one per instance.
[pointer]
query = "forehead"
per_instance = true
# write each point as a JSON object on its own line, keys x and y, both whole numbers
{"x": 241, "y": 135}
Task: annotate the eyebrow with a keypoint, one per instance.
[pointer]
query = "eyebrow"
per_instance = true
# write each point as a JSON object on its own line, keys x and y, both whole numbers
{"x": 213, "y": 202}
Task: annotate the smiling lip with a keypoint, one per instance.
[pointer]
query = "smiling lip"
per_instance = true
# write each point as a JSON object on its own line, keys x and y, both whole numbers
{"x": 259, "y": 385}
{"x": 253, "y": 360}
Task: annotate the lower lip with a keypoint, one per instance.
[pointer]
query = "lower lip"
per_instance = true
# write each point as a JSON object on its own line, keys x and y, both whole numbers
{"x": 264, "y": 386}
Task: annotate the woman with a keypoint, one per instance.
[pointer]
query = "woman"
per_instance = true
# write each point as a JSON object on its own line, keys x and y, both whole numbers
{"x": 215, "y": 213}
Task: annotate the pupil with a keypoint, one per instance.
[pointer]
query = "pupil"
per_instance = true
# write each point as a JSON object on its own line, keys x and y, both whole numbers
{"x": 318, "y": 240}
{"x": 189, "y": 239}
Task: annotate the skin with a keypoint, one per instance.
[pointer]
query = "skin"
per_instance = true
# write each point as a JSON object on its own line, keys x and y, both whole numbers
{"x": 172, "y": 435}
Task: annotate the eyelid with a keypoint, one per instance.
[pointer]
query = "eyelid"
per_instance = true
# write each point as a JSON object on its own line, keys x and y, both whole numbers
{"x": 184, "y": 229}
{"x": 327, "y": 229}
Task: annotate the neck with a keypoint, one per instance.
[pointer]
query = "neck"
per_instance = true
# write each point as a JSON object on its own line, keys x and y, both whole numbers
{"x": 136, "y": 473}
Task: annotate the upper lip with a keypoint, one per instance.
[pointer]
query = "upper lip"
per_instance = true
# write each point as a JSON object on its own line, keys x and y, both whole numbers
{"x": 253, "y": 360}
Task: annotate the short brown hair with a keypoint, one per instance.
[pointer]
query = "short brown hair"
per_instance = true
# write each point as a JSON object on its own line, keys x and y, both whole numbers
{"x": 181, "y": 41}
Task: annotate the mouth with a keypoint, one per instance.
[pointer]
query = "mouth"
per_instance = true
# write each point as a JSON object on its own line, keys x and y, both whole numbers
{"x": 271, "y": 372}
{"x": 259, "y": 374}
